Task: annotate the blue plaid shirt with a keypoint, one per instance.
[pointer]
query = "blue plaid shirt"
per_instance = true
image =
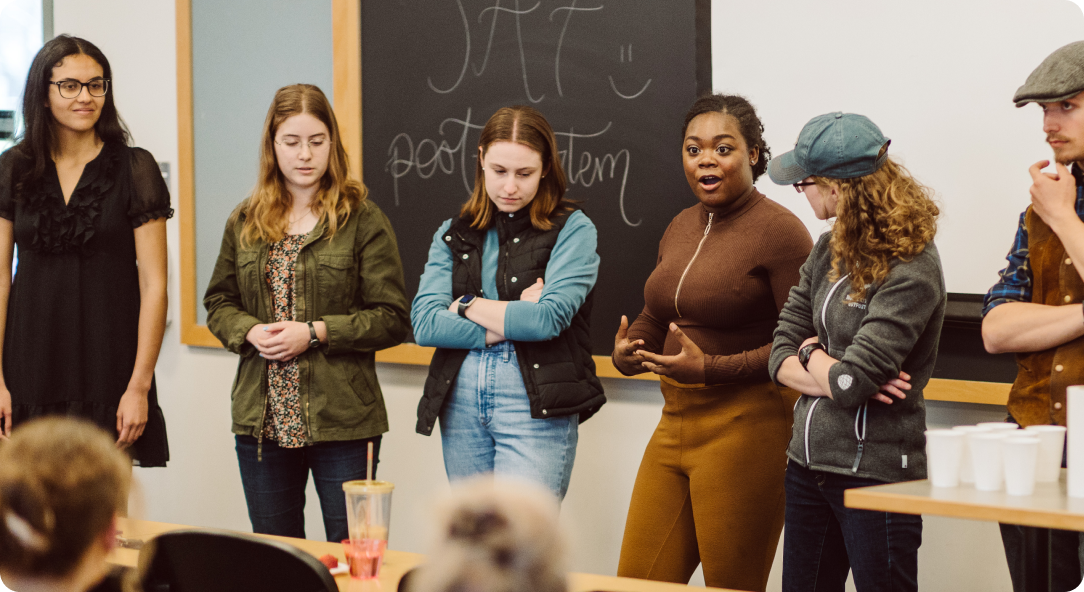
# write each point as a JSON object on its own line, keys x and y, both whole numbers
{"x": 1015, "y": 282}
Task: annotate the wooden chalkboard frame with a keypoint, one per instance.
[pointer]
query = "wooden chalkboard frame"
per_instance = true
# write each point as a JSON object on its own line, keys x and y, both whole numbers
{"x": 347, "y": 98}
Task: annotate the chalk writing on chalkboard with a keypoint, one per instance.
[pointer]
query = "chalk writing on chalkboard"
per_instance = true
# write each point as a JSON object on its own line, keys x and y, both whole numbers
{"x": 613, "y": 77}
{"x": 404, "y": 156}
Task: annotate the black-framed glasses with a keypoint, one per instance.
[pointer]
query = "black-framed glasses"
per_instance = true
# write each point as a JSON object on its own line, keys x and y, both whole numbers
{"x": 70, "y": 88}
{"x": 798, "y": 186}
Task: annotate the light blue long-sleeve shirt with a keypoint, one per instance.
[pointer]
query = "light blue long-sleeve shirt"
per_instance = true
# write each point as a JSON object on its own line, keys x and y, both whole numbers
{"x": 570, "y": 274}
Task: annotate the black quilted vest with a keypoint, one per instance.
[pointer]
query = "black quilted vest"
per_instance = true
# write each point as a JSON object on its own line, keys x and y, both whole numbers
{"x": 559, "y": 374}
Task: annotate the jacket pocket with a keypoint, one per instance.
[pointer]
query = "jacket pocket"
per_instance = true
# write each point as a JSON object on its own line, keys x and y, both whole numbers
{"x": 361, "y": 383}
{"x": 247, "y": 400}
{"x": 248, "y": 279}
{"x": 335, "y": 280}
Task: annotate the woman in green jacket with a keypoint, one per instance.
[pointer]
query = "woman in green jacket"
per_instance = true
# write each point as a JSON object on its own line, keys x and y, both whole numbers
{"x": 307, "y": 286}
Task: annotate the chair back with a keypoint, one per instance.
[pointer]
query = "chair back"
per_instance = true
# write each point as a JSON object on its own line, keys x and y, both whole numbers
{"x": 217, "y": 561}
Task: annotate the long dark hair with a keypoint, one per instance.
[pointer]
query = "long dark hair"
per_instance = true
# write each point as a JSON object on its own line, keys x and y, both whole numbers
{"x": 38, "y": 140}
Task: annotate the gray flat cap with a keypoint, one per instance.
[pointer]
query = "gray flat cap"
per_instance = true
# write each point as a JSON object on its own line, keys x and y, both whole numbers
{"x": 1059, "y": 77}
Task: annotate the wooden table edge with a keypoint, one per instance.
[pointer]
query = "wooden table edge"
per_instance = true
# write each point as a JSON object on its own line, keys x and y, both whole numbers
{"x": 577, "y": 582}
{"x": 873, "y": 498}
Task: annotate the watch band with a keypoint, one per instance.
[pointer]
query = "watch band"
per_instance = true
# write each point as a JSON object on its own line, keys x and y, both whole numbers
{"x": 807, "y": 352}
{"x": 314, "y": 341}
{"x": 464, "y": 304}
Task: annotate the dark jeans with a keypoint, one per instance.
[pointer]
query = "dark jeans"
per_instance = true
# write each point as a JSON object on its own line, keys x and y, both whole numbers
{"x": 1065, "y": 560}
{"x": 275, "y": 486}
{"x": 823, "y": 540}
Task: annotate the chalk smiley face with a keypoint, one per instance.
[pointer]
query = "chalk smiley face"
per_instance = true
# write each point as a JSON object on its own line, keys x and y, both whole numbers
{"x": 626, "y": 57}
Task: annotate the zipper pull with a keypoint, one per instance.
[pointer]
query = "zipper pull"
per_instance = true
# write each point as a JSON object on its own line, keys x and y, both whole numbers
{"x": 708, "y": 227}
{"x": 858, "y": 457}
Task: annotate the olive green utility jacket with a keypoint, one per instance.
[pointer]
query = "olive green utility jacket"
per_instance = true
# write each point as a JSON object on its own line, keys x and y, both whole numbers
{"x": 354, "y": 283}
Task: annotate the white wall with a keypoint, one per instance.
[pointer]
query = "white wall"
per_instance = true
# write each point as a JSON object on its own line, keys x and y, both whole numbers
{"x": 201, "y": 486}
{"x": 937, "y": 76}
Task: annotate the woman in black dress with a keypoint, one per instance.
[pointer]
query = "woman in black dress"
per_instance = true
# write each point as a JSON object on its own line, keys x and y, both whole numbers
{"x": 83, "y": 318}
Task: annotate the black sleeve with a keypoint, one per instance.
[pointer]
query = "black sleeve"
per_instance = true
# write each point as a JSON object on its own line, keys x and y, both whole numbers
{"x": 150, "y": 196}
{"x": 7, "y": 183}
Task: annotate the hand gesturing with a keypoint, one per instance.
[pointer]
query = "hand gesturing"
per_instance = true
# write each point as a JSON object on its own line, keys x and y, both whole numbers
{"x": 625, "y": 357}
{"x": 685, "y": 367}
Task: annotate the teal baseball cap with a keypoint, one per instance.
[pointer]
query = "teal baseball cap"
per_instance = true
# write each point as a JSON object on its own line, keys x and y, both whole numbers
{"x": 834, "y": 145}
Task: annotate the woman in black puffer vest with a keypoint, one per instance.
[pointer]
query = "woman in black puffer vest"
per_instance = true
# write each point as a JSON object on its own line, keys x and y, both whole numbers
{"x": 506, "y": 300}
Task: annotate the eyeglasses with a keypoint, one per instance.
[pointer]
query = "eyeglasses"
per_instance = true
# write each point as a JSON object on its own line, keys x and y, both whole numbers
{"x": 69, "y": 88}
{"x": 798, "y": 186}
{"x": 293, "y": 143}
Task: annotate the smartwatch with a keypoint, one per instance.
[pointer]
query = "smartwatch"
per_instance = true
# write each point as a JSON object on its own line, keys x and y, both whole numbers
{"x": 464, "y": 304}
{"x": 807, "y": 351}
{"x": 314, "y": 341}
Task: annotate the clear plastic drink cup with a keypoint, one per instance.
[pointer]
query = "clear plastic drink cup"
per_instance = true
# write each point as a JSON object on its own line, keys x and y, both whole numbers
{"x": 368, "y": 516}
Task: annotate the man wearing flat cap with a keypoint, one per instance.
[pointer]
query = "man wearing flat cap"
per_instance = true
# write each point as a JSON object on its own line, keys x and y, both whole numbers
{"x": 1035, "y": 309}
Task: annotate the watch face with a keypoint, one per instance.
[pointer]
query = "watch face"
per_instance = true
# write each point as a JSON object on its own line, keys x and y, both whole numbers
{"x": 466, "y": 299}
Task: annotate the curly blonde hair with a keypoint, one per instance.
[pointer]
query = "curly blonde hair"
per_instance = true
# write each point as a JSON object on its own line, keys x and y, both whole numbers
{"x": 881, "y": 217}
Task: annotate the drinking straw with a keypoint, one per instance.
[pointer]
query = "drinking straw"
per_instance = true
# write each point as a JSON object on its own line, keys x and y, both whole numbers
{"x": 369, "y": 464}
{"x": 369, "y": 478}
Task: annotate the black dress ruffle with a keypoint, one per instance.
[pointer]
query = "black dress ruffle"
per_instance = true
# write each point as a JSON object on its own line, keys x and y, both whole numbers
{"x": 73, "y": 312}
{"x": 65, "y": 227}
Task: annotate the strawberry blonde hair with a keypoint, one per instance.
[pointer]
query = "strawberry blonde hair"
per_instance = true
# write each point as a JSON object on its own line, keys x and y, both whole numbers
{"x": 880, "y": 217}
{"x": 267, "y": 210}
{"x": 522, "y": 125}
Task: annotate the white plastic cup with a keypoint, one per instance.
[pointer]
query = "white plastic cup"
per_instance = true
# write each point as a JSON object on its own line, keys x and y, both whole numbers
{"x": 986, "y": 459}
{"x": 967, "y": 473}
{"x": 999, "y": 425}
{"x": 1051, "y": 444}
{"x": 1020, "y": 454}
{"x": 944, "y": 449}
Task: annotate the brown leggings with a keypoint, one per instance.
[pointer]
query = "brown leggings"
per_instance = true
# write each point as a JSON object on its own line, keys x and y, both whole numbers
{"x": 710, "y": 486}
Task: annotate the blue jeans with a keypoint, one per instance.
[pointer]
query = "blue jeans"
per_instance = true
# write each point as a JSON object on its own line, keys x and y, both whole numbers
{"x": 823, "y": 540}
{"x": 486, "y": 425}
{"x": 275, "y": 486}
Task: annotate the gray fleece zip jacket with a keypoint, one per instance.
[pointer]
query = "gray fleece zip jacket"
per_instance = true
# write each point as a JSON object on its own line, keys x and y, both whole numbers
{"x": 896, "y": 328}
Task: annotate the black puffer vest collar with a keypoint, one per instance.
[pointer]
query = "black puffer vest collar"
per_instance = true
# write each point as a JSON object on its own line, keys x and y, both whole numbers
{"x": 559, "y": 374}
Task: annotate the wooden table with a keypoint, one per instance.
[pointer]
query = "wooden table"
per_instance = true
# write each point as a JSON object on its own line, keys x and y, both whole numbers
{"x": 396, "y": 563}
{"x": 1049, "y": 507}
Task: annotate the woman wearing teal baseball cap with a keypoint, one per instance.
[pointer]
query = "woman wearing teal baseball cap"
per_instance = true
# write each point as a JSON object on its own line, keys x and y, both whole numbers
{"x": 858, "y": 337}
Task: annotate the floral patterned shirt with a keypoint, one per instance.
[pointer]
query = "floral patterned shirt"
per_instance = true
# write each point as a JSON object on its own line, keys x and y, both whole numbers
{"x": 284, "y": 422}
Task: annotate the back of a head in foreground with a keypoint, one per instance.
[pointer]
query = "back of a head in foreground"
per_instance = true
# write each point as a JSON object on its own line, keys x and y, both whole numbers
{"x": 62, "y": 482}
{"x": 496, "y": 536}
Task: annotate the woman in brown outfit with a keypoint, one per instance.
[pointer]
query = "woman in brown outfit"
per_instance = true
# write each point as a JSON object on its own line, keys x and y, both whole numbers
{"x": 710, "y": 486}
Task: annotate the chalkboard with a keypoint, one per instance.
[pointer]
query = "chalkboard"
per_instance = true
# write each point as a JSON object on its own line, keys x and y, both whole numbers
{"x": 614, "y": 78}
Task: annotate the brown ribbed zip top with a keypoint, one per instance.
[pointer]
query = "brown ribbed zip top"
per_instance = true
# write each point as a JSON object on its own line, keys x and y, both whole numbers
{"x": 723, "y": 277}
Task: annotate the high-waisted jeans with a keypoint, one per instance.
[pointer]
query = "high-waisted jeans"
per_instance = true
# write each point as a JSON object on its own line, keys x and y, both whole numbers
{"x": 486, "y": 425}
{"x": 710, "y": 486}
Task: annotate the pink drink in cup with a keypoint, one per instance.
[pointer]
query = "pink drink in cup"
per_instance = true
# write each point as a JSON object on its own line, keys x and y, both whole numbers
{"x": 364, "y": 557}
{"x": 368, "y": 515}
